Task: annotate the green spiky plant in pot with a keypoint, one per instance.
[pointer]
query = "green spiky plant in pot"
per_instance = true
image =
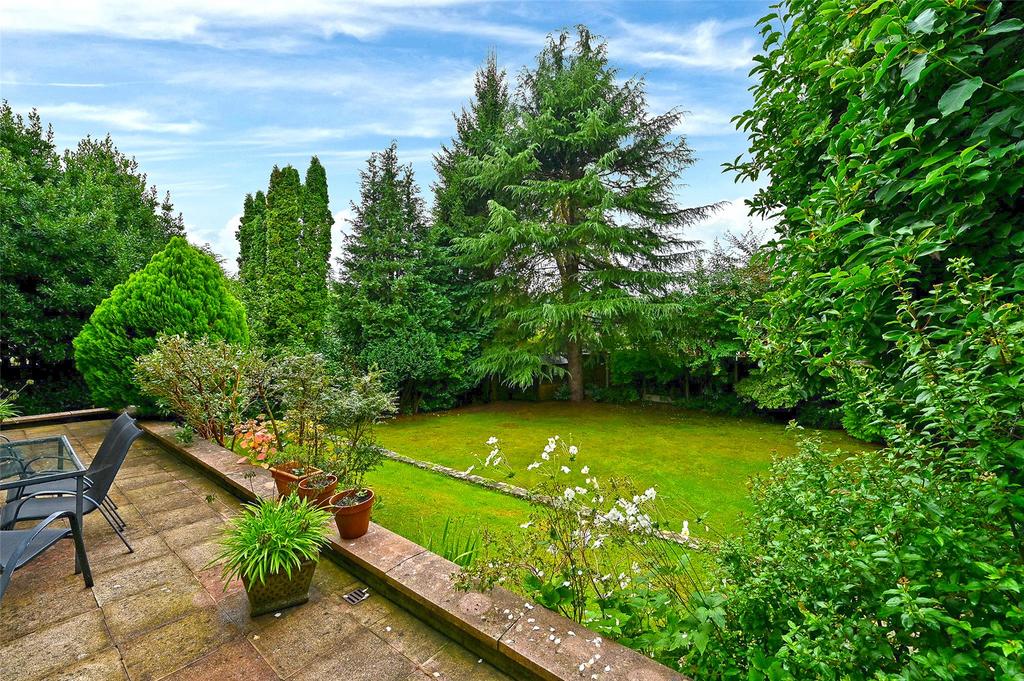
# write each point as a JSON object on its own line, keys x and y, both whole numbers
{"x": 274, "y": 547}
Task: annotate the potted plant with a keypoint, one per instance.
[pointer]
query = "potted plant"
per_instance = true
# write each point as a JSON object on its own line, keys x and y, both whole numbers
{"x": 307, "y": 390}
{"x": 274, "y": 548}
{"x": 288, "y": 474}
{"x": 317, "y": 488}
{"x": 362, "y": 405}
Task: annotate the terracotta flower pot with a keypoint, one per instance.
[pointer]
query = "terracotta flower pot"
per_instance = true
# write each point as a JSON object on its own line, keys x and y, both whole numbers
{"x": 353, "y": 521}
{"x": 286, "y": 480}
{"x": 317, "y": 495}
{"x": 280, "y": 591}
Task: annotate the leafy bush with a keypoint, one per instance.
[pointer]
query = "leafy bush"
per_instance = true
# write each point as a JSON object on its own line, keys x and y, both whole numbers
{"x": 181, "y": 291}
{"x": 893, "y": 135}
{"x": 362, "y": 404}
{"x": 208, "y": 382}
{"x": 596, "y": 552}
{"x": 185, "y": 435}
{"x": 616, "y": 394}
{"x": 272, "y": 537}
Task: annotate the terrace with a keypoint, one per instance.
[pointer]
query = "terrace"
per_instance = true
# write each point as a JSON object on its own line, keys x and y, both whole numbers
{"x": 163, "y": 612}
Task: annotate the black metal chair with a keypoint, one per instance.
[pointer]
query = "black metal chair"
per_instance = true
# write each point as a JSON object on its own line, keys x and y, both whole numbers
{"x": 121, "y": 424}
{"x": 19, "y": 547}
{"x": 33, "y": 502}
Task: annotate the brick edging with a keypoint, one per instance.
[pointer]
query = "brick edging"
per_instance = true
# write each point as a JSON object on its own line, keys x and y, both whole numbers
{"x": 519, "y": 637}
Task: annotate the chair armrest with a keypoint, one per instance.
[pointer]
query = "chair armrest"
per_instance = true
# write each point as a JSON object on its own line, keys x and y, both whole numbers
{"x": 16, "y": 554}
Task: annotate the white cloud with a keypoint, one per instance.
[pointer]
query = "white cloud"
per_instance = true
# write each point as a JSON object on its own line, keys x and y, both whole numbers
{"x": 705, "y": 122}
{"x": 118, "y": 118}
{"x": 731, "y": 217}
{"x": 707, "y": 45}
{"x": 218, "y": 23}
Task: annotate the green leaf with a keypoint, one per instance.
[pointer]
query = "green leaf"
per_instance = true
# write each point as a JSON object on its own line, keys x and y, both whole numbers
{"x": 1006, "y": 27}
{"x": 1014, "y": 82}
{"x": 912, "y": 71}
{"x": 955, "y": 97}
{"x": 924, "y": 23}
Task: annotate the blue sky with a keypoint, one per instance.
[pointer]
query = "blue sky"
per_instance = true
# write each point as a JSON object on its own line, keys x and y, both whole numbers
{"x": 209, "y": 95}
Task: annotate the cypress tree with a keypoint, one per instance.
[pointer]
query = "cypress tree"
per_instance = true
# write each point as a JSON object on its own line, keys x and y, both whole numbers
{"x": 181, "y": 291}
{"x": 317, "y": 222}
{"x": 287, "y": 312}
{"x": 583, "y": 230}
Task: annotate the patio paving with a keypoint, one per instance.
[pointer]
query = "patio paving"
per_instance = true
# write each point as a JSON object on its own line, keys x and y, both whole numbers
{"x": 163, "y": 612}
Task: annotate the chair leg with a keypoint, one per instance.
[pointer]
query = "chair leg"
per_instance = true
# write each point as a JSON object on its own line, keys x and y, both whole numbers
{"x": 113, "y": 512}
{"x": 115, "y": 528}
{"x": 81, "y": 560}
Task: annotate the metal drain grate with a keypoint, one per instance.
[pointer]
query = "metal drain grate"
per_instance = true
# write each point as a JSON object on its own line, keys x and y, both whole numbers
{"x": 357, "y": 596}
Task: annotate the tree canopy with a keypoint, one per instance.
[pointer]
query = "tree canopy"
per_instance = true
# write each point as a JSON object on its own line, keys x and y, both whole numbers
{"x": 72, "y": 226}
{"x": 584, "y": 231}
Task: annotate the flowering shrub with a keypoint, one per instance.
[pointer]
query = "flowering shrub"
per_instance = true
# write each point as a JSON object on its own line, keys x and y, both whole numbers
{"x": 256, "y": 440}
{"x": 597, "y": 552}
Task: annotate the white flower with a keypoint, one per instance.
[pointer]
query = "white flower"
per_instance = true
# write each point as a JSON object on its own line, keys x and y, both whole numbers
{"x": 544, "y": 455}
{"x": 573, "y": 450}
{"x": 565, "y": 469}
{"x": 535, "y": 464}
{"x": 526, "y": 524}
{"x": 685, "y": 534}
{"x": 492, "y": 440}
{"x": 569, "y": 494}
{"x": 586, "y": 469}
{"x": 650, "y": 493}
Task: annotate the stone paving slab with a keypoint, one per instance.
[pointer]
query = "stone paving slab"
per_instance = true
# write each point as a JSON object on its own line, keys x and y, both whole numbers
{"x": 163, "y": 613}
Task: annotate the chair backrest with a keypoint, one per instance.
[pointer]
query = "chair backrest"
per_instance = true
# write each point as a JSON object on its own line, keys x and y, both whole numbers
{"x": 120, "y": 425}
{"x": 102, "y": 471}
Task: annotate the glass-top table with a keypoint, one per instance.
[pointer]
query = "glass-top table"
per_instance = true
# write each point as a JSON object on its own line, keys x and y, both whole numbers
{"x": 26, "y": 466}
{"x": 38, "y": 460}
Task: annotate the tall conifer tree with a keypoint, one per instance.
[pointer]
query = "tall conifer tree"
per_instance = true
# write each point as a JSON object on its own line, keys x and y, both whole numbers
{"x": 317, "y": 222}
{"x": 284, "y": 245}
{"x": 584, "y": 229}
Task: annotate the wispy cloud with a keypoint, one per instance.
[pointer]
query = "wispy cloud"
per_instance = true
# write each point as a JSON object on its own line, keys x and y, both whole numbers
{"x": 710, "y": 44}
{"x": 217, "y": 23}
{"x": 118, "y": 118}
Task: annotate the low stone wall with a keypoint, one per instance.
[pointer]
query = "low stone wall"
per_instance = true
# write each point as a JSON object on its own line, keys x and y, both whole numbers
{"x": 58, "y": 417}
{"x": 519, "y": 637}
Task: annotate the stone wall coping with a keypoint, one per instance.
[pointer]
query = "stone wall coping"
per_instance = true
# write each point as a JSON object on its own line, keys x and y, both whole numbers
{"x": 519, "y": 637}
{"x": 58, "y": 417}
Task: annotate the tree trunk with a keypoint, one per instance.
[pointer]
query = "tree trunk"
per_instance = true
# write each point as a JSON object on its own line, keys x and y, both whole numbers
{"x": 575, "y": 356}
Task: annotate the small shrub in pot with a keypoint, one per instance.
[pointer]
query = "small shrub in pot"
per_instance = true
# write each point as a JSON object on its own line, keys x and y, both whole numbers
{"x": 273, "y": 547}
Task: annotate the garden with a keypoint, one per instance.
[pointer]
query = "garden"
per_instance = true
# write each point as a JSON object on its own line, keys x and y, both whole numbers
{"x": 785, "y": 456}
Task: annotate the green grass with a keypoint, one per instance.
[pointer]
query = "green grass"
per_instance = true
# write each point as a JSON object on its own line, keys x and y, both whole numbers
{"x": 698, "y": 462}
{"x": 416, "y": 503}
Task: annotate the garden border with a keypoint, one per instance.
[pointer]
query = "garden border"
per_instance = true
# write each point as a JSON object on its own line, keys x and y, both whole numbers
{"x": 511, "y": 490}
{"x": 518, "y": 637}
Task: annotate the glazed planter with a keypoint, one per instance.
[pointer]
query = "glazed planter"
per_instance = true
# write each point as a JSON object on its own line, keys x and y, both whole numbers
{"x": 288, "y": 481}
{"x": 315, "y": 492}
{"x": 353, "y": 521}
{"x": 280, "y": 591}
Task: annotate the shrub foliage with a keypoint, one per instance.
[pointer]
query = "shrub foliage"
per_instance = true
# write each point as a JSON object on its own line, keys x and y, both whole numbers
{"x": 894, "y": 133}
{"x": 181, "y": 291}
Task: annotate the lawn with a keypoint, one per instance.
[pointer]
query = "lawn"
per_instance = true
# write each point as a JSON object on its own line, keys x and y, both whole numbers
{"x": 698, "y": 462}
{"x": 416, "y": 503}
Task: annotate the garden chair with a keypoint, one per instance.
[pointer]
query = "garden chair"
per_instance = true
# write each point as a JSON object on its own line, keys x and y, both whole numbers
{"x": 121, "y": 424}
{"x": 19, "y": 547}
{"x": 33, "y": 502}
